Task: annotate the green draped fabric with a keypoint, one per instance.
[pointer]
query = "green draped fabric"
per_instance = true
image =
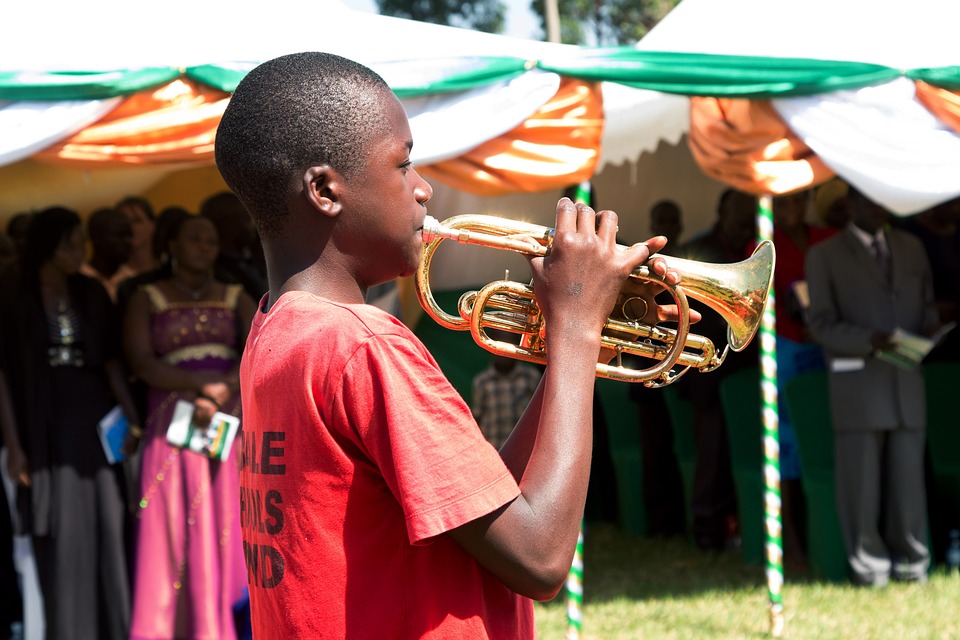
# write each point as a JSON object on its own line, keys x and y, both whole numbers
{"x": 691, "y": 74}
{"x": 217, "y": 76}
{"x": 80, "y": 85}
{"x": 696, "y": 74}
{"x": 480, "y": 71}
{"x": 944, "y": 77}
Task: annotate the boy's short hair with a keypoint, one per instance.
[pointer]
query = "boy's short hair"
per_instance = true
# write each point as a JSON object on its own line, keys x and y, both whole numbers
{"x": 292, "y": 113}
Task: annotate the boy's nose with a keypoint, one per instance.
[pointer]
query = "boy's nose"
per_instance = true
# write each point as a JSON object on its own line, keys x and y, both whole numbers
{"x": 423, "y": 191}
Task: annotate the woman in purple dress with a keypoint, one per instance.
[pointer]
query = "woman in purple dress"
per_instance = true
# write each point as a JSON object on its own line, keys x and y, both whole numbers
{"x": 183, "y": 336}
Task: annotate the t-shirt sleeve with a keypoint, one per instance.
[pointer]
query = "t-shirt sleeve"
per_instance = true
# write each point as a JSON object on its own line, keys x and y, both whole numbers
{"x": 421, "y": 435}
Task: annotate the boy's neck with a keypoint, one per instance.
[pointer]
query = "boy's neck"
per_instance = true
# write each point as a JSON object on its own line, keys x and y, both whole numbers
{"x": 291, "y": 270}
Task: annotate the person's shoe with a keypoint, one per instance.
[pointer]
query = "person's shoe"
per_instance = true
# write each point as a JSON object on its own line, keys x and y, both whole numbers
{"x": 876, "y": 582}
{"x": 709, "y": 542}
{"x": 906, "y": 577}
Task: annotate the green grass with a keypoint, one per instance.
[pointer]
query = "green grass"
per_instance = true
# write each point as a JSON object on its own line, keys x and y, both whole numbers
{"x": 637, "y": 588}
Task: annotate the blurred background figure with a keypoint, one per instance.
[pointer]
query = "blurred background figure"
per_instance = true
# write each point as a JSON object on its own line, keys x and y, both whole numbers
{"x": 832, "y": 204}
{"x": 662, "y": 484}
{"x": 714, "y": 502}
{"x": 502, "y": 391}
{"x": 864, "y": 283}
{"x": 17, "y": 230}
{"x": 141, "y": 217}
{"x": 8, "y": 252}
{"x": 167, "y": 219}
{"x": 11, "y": 595}
{"x": 796, "y": 352}
{"x": 183, "y": 335}
{"x": 110, "y": 234}
{"x": 61, "y": 350}
{"x": 239, "y": 242}
{"x": 938, "y": 229}
{"x": 666, "y": 219}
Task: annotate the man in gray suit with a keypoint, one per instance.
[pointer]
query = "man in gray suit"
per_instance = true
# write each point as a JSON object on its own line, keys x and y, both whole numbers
{"x": 864, "y": 283}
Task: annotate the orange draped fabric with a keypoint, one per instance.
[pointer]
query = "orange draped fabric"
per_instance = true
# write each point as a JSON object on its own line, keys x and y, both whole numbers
{"x": 176, "y": 123}
{"x": 557, "y": 146}
{"x": 942, "y": 103}
{"x": 745, "y": 144}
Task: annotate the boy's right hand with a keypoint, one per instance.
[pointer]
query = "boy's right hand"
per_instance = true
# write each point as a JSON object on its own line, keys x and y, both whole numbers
{"x": 578, "y": 283}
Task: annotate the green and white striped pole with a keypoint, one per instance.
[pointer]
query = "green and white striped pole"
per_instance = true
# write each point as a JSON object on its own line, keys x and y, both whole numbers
{"x": 771, "y": 438}
{"x": 575, "y": 592}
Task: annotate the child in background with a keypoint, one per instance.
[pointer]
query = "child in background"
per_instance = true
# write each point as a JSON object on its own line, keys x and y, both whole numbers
{"x": 501, "y": 392}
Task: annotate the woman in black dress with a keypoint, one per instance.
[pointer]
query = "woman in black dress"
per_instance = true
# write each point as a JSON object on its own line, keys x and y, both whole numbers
{"x": 62, "y": 360}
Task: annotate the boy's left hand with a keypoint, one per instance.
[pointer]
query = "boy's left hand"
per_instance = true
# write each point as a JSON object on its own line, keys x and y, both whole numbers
{"x": 637, "y": 303}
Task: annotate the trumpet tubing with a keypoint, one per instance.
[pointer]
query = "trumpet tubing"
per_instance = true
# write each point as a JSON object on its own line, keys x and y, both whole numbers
{"x": 738, "y": 292}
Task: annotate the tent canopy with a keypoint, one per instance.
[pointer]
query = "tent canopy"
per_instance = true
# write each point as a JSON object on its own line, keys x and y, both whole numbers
{"x": 889, "y": 138}
{"x": 833, "y": 85}
{"x": 894, "y": 34}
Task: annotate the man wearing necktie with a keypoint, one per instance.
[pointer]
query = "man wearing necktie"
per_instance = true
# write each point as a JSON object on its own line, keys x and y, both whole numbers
{"x": 865, "y": 283}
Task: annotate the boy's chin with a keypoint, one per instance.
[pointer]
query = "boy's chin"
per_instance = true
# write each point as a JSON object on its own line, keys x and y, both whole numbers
{"x": 412, "y": 267}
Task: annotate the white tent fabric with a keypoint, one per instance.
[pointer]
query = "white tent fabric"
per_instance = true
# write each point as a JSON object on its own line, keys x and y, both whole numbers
{"x": 882, "y": 141}
{"x": 879, "y": 139}
{"x": 243, "y": 33}
{"x": 446, "y": 126}
{"x": 637, "y": 121}
{"x": 921, "y": 33}
{"x": 28, "y": 127}
{"x": 106, "y": 35}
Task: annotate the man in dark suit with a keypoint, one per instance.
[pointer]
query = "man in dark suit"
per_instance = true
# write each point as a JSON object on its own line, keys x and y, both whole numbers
{"x": 864, "y": 283}
{"x": 714, "y": 501}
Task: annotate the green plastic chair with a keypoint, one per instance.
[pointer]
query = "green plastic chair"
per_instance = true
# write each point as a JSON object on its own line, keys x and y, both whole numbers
{"x": 684, "y": 444}
{"x": 740, "y": 400}
{"x": 943, "y": 430}
{"x": 807, "y": 397}
{"x": 623, "y": 430}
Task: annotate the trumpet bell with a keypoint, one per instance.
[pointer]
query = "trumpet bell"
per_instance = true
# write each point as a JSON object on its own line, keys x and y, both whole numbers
{"x": 737, "y": 291}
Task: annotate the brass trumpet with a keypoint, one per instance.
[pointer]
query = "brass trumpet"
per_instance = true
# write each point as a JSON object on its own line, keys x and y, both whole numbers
{"x": 738, "y": 292}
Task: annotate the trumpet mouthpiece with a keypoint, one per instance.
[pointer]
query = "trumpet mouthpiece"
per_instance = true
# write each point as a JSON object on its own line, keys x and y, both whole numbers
{"x": 433, "y": 230}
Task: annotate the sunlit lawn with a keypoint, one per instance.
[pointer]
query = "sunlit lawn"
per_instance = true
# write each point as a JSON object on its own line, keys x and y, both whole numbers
{"x": 637, "y": 587}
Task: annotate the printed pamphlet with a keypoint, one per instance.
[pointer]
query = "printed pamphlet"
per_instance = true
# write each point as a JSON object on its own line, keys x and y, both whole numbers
{"x": 213, "y": 441}
{"x": 909, "y": 349}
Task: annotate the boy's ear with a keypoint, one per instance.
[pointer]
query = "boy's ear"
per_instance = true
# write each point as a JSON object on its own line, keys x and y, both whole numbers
{"x": 322, "y": 186}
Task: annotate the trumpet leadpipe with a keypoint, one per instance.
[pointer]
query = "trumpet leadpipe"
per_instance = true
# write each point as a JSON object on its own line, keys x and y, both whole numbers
{"x": 519, "y": 242}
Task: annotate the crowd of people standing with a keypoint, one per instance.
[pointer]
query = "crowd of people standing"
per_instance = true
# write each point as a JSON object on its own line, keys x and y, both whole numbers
{"x": 848, "y": 275}
{"x": 141, "y": 311}
{"x": 154, "y": 313}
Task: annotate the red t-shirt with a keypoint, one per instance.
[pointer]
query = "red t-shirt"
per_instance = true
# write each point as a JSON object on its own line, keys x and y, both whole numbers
{"x": 357, "y": 457}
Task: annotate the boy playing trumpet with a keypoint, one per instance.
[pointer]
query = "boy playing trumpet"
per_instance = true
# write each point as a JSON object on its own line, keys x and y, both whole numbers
{"x": 371, "y": 504}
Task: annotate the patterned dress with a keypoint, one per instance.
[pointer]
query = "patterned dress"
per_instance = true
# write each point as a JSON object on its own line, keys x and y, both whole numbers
{"x": 189, "y": 569}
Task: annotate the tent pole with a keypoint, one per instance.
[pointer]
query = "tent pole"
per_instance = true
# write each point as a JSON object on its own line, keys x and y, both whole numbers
{"x": 771, "y": 437}
{"x": 574, "y": 587}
